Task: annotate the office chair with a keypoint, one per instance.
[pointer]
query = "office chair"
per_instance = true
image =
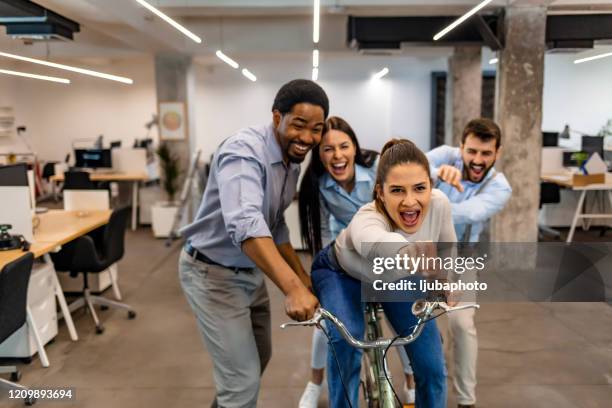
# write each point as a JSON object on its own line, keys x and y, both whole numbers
{"x": 78, "y": 180}
{"x": 87, "y": 255}
{"x": 550, "y": 193}
{"x": 14, "y": 279}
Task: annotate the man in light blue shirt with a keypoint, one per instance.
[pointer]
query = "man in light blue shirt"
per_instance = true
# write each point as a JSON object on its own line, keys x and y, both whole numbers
{"x": 239, "y": 232}
{"x": 466, "y": 174}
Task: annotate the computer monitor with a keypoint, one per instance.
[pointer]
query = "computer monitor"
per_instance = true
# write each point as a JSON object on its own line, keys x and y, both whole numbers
{"x": 92, "y": 158}
{"x": 592, "y": 144}
{"x": 550, "y": 139}
{"x": 15, "y": 175}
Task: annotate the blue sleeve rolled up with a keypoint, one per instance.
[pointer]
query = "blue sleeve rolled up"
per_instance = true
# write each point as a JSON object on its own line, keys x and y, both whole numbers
{"x": 241, "y": 193}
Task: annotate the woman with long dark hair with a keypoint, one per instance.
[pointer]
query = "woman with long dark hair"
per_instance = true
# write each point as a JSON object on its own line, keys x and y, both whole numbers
{"x": 406, "y": 209}
{"x": 338, "y": 181}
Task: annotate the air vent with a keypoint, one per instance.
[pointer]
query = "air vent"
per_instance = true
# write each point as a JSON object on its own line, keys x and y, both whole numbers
{"x": 31, "y": 22}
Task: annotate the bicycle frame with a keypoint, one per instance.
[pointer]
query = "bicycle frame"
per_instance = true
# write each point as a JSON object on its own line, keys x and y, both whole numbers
{"x": 381, "y": 394}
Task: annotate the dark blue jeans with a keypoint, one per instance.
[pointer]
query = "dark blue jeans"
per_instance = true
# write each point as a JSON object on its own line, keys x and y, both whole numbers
{"x": 341, "y": 294}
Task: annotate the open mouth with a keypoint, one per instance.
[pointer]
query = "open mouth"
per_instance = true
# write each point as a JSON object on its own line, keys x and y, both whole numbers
{"x": 301, "y": 148}
{"x": 338, "y": 169}
{"x": 477, "y": 170}
{"x": 410, "y": 218}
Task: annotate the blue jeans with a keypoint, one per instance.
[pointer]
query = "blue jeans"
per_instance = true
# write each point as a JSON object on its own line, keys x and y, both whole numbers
{"x": 341, "y": 294}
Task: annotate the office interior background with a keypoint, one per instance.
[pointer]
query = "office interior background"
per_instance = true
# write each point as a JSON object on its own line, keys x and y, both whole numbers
{"x": 514, "y": 61}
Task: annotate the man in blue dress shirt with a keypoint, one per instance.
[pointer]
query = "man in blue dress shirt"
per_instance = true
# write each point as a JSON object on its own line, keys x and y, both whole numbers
{"x": 476, "y": 192}
{"x": 239, "y": 232}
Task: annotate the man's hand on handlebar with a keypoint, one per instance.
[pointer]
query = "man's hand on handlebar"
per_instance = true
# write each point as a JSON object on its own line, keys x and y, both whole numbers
{"x": 300, "y": 303}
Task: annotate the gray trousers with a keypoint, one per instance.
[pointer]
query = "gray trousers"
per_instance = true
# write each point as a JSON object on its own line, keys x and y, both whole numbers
{"x": 233, "y": 314}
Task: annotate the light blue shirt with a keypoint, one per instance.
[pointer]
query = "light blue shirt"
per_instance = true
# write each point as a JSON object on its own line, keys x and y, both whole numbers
{"x": 248, "y": 190}
{"x": 468, "y": 207}
{"x": 338, "y": 206}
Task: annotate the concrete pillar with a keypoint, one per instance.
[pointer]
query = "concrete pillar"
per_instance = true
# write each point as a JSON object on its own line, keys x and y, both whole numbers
{"x": 464, "y": 91}
{"x": 520, "y": 79}
{"x": 173, "y": 83}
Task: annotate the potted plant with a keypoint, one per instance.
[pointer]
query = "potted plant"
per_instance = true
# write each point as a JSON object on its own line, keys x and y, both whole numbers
{"x": 164, "y": 212}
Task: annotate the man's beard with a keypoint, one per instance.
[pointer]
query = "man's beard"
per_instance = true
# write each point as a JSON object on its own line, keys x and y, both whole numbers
{"x": 295, "y": 159}
{"x": 466, "y": 172}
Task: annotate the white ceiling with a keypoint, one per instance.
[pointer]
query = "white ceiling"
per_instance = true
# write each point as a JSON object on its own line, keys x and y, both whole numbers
{"x": 117, "y": 28}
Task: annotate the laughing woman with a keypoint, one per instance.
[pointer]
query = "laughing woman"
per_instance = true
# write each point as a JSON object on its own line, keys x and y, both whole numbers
{"x": 405, "y": 209}
{"x": 338, "y": 181}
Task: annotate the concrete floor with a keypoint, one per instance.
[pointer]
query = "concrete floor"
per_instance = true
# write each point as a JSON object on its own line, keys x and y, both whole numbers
{"x": 531, "y": 355}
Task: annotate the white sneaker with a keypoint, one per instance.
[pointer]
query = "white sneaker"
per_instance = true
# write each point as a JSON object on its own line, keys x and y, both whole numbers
{"x": 408, "y": 395}
{"x": 310, "y": 396}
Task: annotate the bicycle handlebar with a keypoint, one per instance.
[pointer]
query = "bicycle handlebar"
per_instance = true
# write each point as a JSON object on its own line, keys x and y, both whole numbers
{"x": 421, "y": 309}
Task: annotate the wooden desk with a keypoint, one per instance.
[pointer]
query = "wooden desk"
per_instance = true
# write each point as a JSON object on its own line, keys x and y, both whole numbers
{"x": 134, "y": 177}
{"x": 60, "y": 227}
{"x": 107, "y": 176}
{"x": 37, "y": 248}
{"x": 599, "y": 190}
{"x": 56, "y": 228}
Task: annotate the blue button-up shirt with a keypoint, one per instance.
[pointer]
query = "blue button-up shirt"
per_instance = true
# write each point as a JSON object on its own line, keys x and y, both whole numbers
{"x": 248, "y": 190}
{"x": 469, "y": 208}
{"x": 338, "y": 206}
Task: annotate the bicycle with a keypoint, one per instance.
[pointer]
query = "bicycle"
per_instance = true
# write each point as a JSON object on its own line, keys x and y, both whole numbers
{"x": 377, "y": 387}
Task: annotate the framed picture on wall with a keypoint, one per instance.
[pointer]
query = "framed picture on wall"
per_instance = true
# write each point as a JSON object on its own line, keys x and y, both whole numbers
{"x": 172, "y": 121}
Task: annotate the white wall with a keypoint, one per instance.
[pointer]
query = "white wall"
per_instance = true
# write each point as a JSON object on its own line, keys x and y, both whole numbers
{"x": 56, "y": 114}
{"x": 222, "y": 100}
{"x": 398, "y": 105}
{"x": 579, "y": 95}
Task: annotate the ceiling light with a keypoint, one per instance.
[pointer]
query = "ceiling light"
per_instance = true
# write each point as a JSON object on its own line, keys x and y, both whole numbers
{"x": 169, "y": 21}
{"x": 461, "y": 19}
{"x": 43, "y": 77}
{"x": 315, "y": 22}
{"x": 226, "y": 59}
{"x": 315, "y": 74}
{"x": 69, "y": 68}
{"x": 493, "y": 61}
{"x": 594, "y": 57}
{"x": 248, "y": 74}
{"x": 315, "y": 58}
{"x": 381, "y": 73}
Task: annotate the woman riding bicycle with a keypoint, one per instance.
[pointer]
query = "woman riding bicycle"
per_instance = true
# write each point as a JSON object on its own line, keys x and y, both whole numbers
{"x": 405, "y": 209}
{"x": 339, "y": 180}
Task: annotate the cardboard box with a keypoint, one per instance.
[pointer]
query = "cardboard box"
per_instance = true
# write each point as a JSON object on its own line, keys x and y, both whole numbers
{"x": 579, "y": 180}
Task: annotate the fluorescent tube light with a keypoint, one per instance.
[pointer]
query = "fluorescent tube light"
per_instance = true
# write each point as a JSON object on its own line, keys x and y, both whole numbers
{"x": 381, "y": 73}
{"x": 248, "y": 74}
{"x": 68, "y": 68}
{"x": 315, "y": 58}
{"x": 315, "y": 74}
{"x": 594, "y": 57}
{"x": 493, "y": 61}
{"x": 35, "y": 76}
{"x": 226, "y": 59}
{"x": 316, "y": 21}
{"x": 169, "y": 21}
{"x": 461, "y": 19}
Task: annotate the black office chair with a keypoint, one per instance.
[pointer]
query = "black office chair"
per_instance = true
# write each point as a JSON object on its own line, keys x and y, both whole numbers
{"x": 78, "y": 180}
{"x": 94, "y": 253}
{"x": 14, "y": 279}
{"x": 550, "y": 193}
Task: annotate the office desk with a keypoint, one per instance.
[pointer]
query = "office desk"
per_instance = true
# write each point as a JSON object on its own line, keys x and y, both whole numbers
{"x": 135, "y": 178}
{"x": 565, "y": 180}
{"x": 56, "y": 228}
